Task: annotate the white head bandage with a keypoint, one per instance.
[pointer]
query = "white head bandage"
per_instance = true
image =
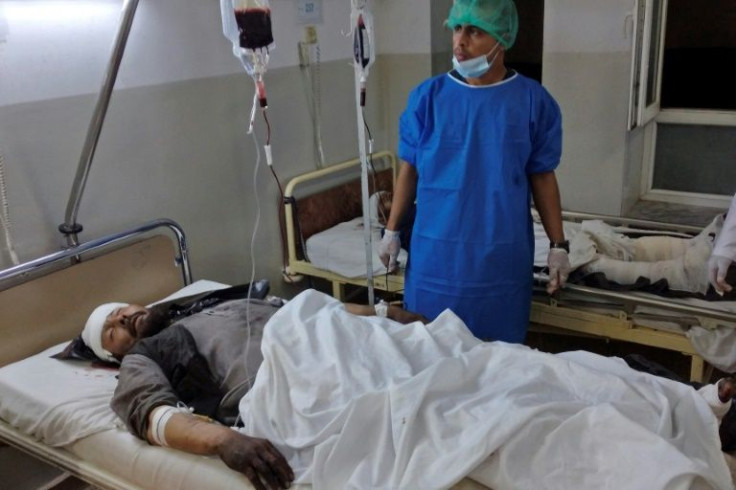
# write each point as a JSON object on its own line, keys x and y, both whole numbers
{"x": 92, "y": 333}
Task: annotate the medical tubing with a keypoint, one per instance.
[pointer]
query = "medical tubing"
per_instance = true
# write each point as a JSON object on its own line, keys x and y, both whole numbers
{"x": 70, "y": 227}
{"x": 317, "y": 101}
{"x": 5, "y": 213}
{"x": 252, "y": 250}
{"x": 311, "y": 74}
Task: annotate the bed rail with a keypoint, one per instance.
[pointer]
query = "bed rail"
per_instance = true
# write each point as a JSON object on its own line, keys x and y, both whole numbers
{"x": 28, "y": 269}
{"x": 639, "y": 223}
{"x": 642, "y": 300}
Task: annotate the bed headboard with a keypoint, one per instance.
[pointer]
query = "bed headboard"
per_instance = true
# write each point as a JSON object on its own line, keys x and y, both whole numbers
{"x": 46, "y": 310}
{"x": 312, "y": 211}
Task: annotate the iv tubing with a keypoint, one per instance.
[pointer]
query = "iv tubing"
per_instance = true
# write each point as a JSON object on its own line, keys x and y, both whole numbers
{"x": 252, "y": 249}
{"x": 70, "y": 227}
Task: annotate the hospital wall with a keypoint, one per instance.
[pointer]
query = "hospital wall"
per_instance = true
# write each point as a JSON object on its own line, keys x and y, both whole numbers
{"x": 587, "y": 68}
{"x": 174, "y": 141}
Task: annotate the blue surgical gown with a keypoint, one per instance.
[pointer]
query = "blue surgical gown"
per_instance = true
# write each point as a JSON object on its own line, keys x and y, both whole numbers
{"x": 472, "y": 246}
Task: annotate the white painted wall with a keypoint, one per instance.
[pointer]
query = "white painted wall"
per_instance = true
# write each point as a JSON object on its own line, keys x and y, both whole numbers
{"x": 174, "y": 142}
{"x": 58, "y": 48}
{"x": 587, "y": 67}
{"x": 403, "y": 26}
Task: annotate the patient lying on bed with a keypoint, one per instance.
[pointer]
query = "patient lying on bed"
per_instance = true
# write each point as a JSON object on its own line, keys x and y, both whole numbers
{"x": 206, "y": 362}
{"x": 681, "y": 262}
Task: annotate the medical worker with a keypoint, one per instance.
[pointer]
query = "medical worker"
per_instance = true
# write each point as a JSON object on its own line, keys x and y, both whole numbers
{"x": 476, "y": 144}
{"x": 724, "y": 252}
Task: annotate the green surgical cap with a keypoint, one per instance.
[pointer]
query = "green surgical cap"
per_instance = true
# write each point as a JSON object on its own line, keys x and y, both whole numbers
{"x": 497, "y": 17}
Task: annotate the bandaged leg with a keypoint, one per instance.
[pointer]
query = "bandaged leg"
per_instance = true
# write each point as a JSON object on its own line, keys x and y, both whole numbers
{"x": 686, "y": 272}
{"x": 654, "y": 248}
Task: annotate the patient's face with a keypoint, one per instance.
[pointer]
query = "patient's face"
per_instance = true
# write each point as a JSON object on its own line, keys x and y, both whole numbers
{"x": 123, "y": 327}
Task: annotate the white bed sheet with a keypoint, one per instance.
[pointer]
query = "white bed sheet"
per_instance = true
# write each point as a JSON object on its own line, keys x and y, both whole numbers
{"x": 431, "y": 405}
{"x": 341, "y": 249}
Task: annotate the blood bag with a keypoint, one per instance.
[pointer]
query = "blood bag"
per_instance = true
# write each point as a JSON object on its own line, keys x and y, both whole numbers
{"x": 253, "y": 18}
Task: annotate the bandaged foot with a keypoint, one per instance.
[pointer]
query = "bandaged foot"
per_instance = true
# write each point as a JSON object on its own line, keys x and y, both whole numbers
{"x": 719, "y": 396}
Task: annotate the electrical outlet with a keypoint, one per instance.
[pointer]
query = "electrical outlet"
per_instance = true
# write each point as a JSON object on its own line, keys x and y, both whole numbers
{"x": 310, "y": 35}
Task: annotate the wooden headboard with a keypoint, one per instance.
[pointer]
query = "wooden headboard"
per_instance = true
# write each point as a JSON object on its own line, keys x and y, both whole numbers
{"x": 53, "y": 308}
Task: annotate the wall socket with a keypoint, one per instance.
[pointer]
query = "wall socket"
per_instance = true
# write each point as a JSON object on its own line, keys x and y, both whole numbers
{"x": 310, "y": 35}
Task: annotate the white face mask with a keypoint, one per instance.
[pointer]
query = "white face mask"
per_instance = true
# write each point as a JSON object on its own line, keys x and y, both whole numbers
{"x": 475, "y": 67}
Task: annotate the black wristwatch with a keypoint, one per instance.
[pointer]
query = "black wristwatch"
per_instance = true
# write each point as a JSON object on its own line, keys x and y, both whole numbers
{"x": 564, "y": 245}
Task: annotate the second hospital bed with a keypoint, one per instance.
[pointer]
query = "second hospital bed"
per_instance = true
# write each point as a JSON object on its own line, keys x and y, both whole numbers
{"x": 322, "y": 215}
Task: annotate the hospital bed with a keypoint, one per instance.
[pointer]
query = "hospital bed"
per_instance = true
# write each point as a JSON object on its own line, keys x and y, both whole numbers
{"x": 57, "y": 411}
{"x": 635, "y": 317}
{"x": 325, "y": 198}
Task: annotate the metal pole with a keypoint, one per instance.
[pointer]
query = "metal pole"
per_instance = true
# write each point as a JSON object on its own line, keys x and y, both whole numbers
{"x": 70, "y": 228}
{"x": 367, "y": 231}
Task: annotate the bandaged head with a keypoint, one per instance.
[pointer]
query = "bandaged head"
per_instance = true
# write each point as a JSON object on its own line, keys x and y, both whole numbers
{"x": 92, "y": 333}
{"x": 497, "y": 17}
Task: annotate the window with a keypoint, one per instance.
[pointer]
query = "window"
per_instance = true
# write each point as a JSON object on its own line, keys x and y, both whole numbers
{"x": 683, "y": 76}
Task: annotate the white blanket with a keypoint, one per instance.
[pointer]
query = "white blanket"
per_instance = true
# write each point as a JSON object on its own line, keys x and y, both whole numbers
{"x": 358, "y": 402}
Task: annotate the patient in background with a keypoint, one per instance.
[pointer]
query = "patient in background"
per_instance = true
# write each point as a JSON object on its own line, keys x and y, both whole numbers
{"x": 681, "y": 262}
{"x": 203, "y": 355}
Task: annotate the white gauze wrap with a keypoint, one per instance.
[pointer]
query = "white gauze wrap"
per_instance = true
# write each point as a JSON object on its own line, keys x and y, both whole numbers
{"x": 710, "y": 393}
{"x": 92, "y": 333}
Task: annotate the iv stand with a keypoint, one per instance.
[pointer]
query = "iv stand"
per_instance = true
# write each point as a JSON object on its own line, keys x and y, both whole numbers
{"x": 367, "y": 232}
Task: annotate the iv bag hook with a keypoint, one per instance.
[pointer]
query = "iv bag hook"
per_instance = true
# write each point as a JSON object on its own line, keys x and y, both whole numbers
{"x": 70, "y": 228}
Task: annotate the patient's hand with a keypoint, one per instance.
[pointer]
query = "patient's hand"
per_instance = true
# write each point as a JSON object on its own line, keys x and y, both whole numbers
{"x": 405, "y": 316}
{"x": 257, "y": 459}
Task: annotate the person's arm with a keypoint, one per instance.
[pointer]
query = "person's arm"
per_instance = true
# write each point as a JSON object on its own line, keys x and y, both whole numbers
{"x": 393, "y": 312}
{"x": 724, "y": 252}
{"x": 145, "y": 387}
{"x": 255, "y": 458}
{"x": 404, "y": 193}
{"x": 546, "y": 196}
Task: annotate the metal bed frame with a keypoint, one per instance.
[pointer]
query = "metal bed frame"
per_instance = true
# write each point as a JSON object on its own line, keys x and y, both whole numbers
{"x": 62, "y": 261}
{"x": 299, "y": 266}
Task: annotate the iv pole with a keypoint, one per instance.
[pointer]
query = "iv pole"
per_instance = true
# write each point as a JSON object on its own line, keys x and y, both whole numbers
{"x": 363, "y": 55}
